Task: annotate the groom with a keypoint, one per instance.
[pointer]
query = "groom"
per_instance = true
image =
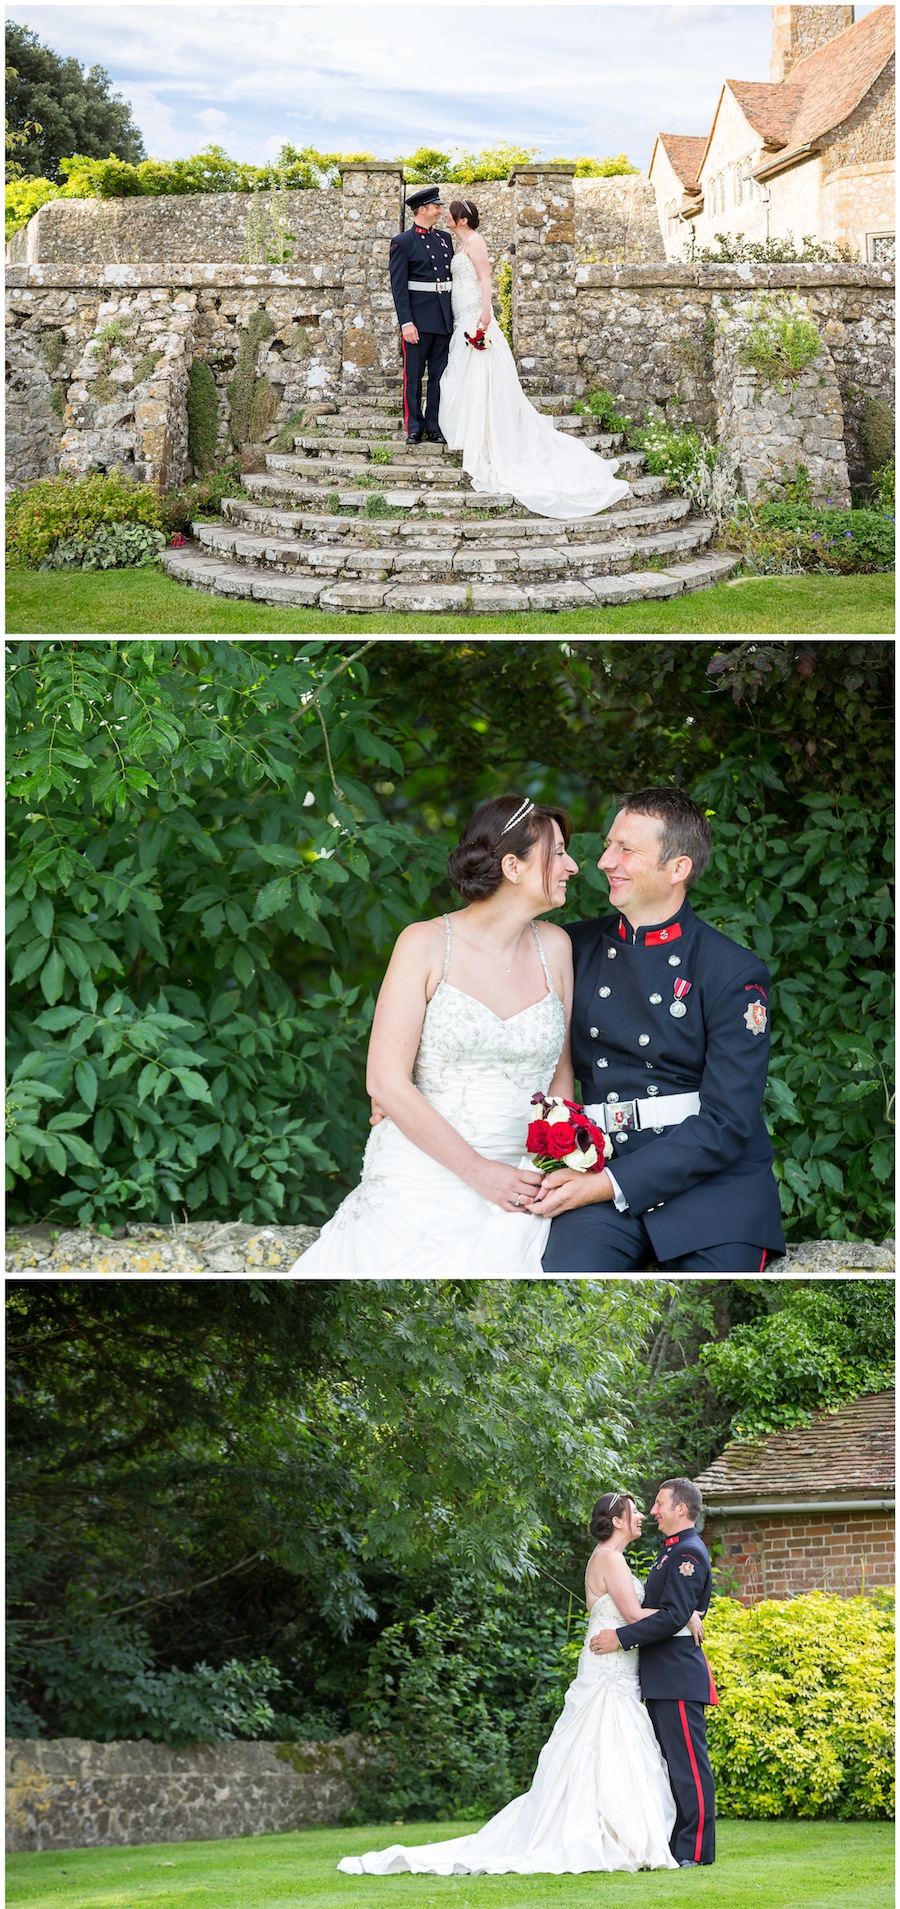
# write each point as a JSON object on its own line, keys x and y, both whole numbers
{"x": 670, "y": 1042}
{"x": 420, "y": 262}
{"x": 676, "y": 1681}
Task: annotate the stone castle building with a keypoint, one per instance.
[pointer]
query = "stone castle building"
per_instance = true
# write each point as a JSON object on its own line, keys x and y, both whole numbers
{"x": 810, "y": 151}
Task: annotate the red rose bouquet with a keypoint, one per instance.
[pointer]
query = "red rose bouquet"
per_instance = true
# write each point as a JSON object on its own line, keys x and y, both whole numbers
{"x": 562, "y": 1135}
{"x": 480, "y": 342}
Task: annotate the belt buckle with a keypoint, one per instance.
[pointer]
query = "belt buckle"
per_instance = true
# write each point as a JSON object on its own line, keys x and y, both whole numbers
{"x": 623, "y": 1117}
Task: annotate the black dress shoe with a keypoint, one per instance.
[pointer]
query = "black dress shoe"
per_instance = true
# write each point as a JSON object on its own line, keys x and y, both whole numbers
{"x": 687, "y": 1862}
{"x": 435, "y": 437}
{"x": 414, "y": 437}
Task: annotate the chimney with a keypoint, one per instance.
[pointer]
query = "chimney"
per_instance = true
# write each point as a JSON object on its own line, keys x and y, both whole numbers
{"x": 799, "y": 31}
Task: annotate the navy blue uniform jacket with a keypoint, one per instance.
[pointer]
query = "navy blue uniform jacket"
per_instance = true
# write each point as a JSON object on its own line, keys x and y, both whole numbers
{"x": 710, "y": 1178}
{"x": 422, "y": 255}
{"x": 679, "y": 1583}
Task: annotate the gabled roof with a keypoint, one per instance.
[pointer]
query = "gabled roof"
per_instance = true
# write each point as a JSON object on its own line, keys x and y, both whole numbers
{"x": 820, "y": 92}
{"x": 684, "y": 152}
{"x": 846, "y": 1453}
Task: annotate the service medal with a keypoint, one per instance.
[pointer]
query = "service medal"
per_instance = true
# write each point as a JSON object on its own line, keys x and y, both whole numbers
{"x": 678, "y": 1007}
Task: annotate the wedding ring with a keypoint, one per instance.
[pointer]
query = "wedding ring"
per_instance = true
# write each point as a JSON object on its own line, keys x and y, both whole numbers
{"x": 518, "y": 1200}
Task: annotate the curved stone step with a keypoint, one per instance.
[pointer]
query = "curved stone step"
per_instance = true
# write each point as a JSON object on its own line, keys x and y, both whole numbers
{"x": 418, "y": 597}
{"x": 460, "y": 559}
{"x": 408, "y": 467}
{"x": 495, "y": 515}
{"x": 326, "y": 439}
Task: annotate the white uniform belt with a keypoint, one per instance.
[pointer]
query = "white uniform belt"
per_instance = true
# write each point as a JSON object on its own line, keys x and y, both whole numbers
{"x": 429, "y": 285}
{"x": 633, "y": 1116}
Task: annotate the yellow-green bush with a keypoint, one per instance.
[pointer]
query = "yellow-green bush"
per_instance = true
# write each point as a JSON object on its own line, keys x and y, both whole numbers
{"x": 804, "y": 1722}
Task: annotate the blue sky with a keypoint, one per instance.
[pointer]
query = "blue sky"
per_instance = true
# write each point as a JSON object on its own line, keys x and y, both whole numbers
{"x": 566, "y": 79}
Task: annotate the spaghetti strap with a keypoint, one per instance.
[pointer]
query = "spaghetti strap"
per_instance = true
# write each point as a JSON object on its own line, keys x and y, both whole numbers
{"x": 447, "y": 949}
{"x": 540, "y": 948}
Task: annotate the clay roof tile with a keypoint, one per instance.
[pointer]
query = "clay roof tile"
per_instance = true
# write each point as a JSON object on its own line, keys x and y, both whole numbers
{"x": 847, "y": 1453}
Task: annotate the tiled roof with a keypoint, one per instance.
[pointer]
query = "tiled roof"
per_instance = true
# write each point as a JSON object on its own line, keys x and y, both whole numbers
{"x": 849, "y": 1452}
{"x": 685, "y": 153}
{"x": 821, "y": 91}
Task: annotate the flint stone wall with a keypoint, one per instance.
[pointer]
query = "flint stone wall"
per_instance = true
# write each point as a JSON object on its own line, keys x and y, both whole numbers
{"x": 73, "y": 1794}
{"x": 225, "y": 1248}
{"x": 772, "y": 433}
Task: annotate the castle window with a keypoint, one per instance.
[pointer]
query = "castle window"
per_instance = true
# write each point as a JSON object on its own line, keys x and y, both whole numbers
{"x": 881, "y": 248}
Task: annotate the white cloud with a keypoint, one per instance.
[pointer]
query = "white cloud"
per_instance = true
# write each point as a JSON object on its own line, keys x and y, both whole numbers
{"x": 212, "y": 120}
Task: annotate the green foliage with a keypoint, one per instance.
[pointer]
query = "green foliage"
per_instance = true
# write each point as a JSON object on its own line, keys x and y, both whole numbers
{"x": 782, "y": 341}
{"x": 290, "y": 429}
{"x": 731, "y": 248}
{"x": 604, "y": 168}
{"x": 458, "y": 1702}
{"x": 877, "y": 432}
{"x": 61, "y": 107}
{"x": 269, "y": 242}
{"x": 52, "y": 346}
{"x": 70, "y": 506}
{"x": 163, "y": 1433}
{"x": 426, "y": 166}
{"x": 24, "y": 197}
{"x": 112, "y": 547}
{"x": 375, "y": 506}
{"x": 202, "y": 416}
{"x": 785, "y": 536}
{"x": 600, "y": 404}
{"x": 884, "y": 487}
{"x": 503, "y": 298}
{"x": 202, "y": 498}
{"x": 381, "y": 454}
{"x": 674, "y": 455}
{"x": 803, "y": 1727}
{"x": 817, "y": 1346}
{"x": 247, "y": 394}
{"x": 493, "y": 162}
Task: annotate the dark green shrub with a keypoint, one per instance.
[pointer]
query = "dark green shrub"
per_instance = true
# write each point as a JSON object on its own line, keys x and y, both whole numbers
{"x": 202, "y": 498}
{"x": 797, "y": 536}
{"x": 242, "y": 391}
{"x": 75, "y": 506}
{"x": 601, "y": 405}
{"x": 202, "y": 416}
{"x": 804, "y": 1723}
{"x": 877, "y": 433}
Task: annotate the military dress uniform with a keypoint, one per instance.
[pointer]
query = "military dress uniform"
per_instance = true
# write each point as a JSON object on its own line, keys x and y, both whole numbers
{"x": 676, "y": 1685}
{"x": 420, "y": 261}
{"x": 670, "y": 1043}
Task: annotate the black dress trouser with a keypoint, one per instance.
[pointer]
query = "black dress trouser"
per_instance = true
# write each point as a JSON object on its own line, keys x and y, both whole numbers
{"x": 680, "y": 1728}
{"x": 430, "y": 353}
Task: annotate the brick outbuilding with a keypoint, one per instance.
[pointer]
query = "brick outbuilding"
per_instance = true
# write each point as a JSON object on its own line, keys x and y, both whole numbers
{"x": 809, "y": 1509}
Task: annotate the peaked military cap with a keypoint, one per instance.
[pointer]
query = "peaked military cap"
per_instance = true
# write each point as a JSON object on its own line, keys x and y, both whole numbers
{"x": 424, "y": 195}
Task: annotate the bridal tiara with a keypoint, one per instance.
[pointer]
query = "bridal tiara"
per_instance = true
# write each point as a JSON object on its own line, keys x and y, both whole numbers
{"x": 520, "y": 814}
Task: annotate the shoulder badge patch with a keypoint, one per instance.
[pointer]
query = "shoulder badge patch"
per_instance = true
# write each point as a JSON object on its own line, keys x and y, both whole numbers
{"x": 686, "y": 1567}
{"x": 756, "y": 1018}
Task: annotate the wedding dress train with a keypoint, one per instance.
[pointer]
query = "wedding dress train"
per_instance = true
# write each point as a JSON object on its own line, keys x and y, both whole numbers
{"x": 410, "y": 1217}
{"x": 600, "y": 1798}
{"x": 508, "y": 446}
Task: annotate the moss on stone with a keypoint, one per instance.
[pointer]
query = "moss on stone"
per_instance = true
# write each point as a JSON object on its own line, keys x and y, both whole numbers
{"x": 146, "y": 365}
{"x": 877, "y": 432}
{"x": 52, "y": 345}
{"x": 202, "y": 416}
{"x": 289, "y": 430}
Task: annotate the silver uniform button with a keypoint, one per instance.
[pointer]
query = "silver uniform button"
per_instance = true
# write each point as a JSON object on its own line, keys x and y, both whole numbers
{"x": 654, "y": 1001}
{"x": 602, "y": 1063}
{"x": 621, "y": 1137}
{"x": 593, "y": 1031}
{"x": 643, "y": 1040}
{"x": 611, "y": 954}
{"x": 653, "y": 1090}
{"x": 611, "y": 1099}
{"x": 604, "y": 993}
{"x": 674, "y": 962}
{"x": 657, "y": 1130}
{"x": 678, "y": 1009}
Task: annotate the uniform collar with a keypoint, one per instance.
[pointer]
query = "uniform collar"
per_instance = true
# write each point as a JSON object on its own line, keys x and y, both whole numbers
{"x": 658, "y": 935}
{"x": 678, "y": 1535}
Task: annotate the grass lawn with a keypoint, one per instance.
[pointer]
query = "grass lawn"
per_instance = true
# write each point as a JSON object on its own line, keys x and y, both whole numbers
{"x": 146, "y": 602}
{"x": 780, "y": 1865}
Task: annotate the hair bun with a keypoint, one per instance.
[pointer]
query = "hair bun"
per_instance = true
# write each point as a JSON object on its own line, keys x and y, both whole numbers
{"x": 473, "y": 869}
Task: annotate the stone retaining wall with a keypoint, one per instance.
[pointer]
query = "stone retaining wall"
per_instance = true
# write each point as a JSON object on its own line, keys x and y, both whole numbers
{"x": 73, "y": 1794}
{"x": 223, "y": 1249}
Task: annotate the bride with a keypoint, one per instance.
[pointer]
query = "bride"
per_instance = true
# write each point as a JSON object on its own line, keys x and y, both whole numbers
{"x": 507, "y": 445}
{"x": 600, "y": 1798}
{"x": 471, "y": 1021}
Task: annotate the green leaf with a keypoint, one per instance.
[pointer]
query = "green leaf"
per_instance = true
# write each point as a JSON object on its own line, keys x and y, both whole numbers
{"x": 42, "y": 915}
{"x": 193, "y": 1084}
{"x": 883, "y": 1160}
{"x": 103, "y": 1129}
{"x": 75, "y": 958}
{"x": 274, "y": 896}
{"x": 86, "y": 1082}
{"x": 53, "y": 976}
{"x": 146, "y": 1079}
{"x": 31, "y": 957}
{"x": 56, "y": 1018}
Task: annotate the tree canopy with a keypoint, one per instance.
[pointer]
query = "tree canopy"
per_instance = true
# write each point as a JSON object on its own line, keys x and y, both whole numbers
{"x": 214, "y": 844}
{"x": 62, "y": 108}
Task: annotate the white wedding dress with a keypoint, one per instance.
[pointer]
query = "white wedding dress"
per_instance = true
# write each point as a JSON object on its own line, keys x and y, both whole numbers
{"x": 410, "y": 1217}
{"x": 600, "y": 1798}
{"x": 508, "y": 446}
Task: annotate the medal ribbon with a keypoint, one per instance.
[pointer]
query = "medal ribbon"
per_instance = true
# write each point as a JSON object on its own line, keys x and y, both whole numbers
{"x": 681, "y": 989}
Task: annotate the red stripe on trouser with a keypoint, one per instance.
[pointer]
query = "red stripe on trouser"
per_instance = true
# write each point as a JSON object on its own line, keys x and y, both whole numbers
{"x": 405, "y": 398}
{"x": 763, "y": 1260}
{"x": 687, "y": 1737}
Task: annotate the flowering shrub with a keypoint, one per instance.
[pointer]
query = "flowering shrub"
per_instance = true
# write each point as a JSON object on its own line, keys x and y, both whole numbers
{"x": 601, "y": 405}
{"x": 790, "y": 537}
{"x": 803, "y": 1725}
{"x": 73, "y": 505}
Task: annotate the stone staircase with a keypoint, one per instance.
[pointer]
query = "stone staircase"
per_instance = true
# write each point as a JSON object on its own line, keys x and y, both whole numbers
{"x": 355, "y": 519}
